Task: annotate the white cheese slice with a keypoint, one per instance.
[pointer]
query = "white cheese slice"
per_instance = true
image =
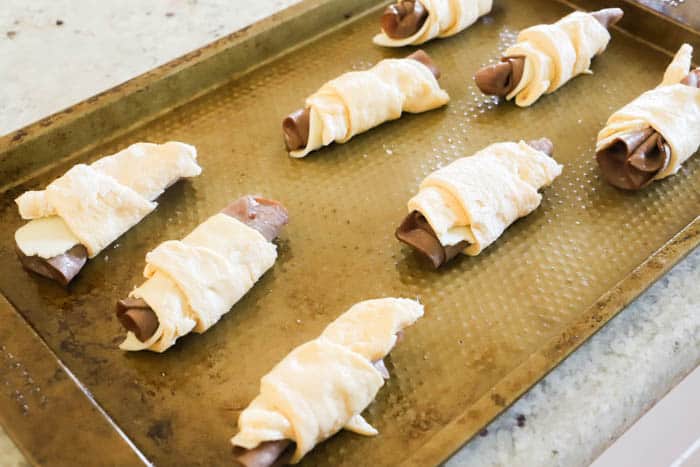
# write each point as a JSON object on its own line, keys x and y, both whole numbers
{"x": 46, "y": 237}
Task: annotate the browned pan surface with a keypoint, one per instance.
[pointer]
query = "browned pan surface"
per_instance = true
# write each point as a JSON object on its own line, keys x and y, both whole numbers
{"x": 494, "y": 324}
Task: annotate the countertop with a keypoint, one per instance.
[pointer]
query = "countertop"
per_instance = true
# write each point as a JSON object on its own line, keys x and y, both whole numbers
{"x": 54, "y": 53}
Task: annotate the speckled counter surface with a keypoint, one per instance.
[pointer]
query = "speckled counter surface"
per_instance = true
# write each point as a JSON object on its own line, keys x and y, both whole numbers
{"x": 55, "y": 53}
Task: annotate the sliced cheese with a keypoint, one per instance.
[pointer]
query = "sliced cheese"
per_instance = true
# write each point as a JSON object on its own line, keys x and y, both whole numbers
{"x": 101, "y": 201}
{"x": 46, "y": 237}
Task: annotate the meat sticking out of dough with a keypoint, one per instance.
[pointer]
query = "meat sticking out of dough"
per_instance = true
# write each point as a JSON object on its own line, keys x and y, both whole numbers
{"x": 192, "y": 283}
{"x": 97, "y": 203}
{"x": 474, "y": 199}
{"x": 359, "y": 100}
{"x": 323, "y": 386}
{"x": 445, "y": 18}
{"x": 672, "y": 109}
{"x": 556, "y": 53}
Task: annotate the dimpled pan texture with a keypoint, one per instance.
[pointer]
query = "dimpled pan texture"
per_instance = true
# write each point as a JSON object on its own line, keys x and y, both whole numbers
{"x": 494, "y": 324}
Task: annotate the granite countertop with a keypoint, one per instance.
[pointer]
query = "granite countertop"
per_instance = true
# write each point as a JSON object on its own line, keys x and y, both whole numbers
{"x": 54, "y": 53}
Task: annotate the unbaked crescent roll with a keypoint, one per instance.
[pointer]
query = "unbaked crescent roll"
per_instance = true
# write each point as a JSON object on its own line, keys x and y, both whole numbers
{"x": 191, "y": 283}
{"x": 359, "y": 100}
{"x": 547, "y": 56}
{"x": 323, "y": 386}
{"x": 466, "y": 205}
{"x": 90, "y": 206}
{"x": 413, "y": 22}
{"x": 652, "y": 136}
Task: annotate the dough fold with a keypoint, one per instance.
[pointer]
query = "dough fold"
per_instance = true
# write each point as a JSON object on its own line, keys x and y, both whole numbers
{"x": 476, "y": 198}
{"x": 556, "y": 53}
{"x": 672, "y": 109}
{"x": 323, "y": 386}
{"x": 101, "y": 201}
{"x": 445, "y": 18}
{"x": 359, "y": 100}
{"x": 192, "y": 283}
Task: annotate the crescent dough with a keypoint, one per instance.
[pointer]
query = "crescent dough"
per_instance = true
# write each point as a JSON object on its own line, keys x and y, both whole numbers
{"x": 476, "y": 198}
{"x": 445, "y": 18}
{"x": 556, "y": 53}
{"x": 359, "y": 100}
{"x": 672, "y": 109}
{"x": 192, "y": 283}
{"x": 99, "y": 202}
{"x": 324, "y": 385}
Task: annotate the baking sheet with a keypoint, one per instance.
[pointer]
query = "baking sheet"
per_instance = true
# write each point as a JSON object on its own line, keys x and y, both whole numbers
{"x": 684, "y": 12}
{"x": 494, "y": 324}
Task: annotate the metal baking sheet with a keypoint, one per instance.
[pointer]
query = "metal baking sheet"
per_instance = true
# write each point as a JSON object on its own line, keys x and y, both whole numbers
{"x": 679, "y": 10}
{"x": 494, "y": 325}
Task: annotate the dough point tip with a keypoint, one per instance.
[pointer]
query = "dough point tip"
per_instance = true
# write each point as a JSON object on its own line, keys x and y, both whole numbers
{"x": 422, "y": 56}
{"x": 543, "y": 144}
{"x": 608, "y": 16}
